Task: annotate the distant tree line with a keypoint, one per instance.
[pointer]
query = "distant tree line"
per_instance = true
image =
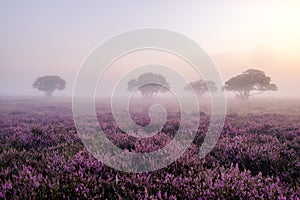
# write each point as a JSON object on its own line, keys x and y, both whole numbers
{"x": 249, "y": 83}
{"x": 242, "y": 85}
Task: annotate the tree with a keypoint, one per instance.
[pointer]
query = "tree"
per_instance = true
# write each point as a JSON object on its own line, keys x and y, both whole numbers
{"x": 48, "y": 84}
{"x": 201, "y": 86}
{"x": 250, "y": 80}
{"x": 149, "y": 84}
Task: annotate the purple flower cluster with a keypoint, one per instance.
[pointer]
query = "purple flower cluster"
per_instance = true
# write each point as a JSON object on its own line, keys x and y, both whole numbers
{"x": 42, "y": 157}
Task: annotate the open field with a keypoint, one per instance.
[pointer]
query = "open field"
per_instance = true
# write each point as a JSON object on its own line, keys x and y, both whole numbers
{"x": 256, "y": 157}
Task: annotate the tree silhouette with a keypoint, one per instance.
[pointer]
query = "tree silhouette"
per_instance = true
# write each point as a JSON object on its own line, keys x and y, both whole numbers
{"x": 149, "y": 84}
{"x": 48, "y": 84}
{"x": 201, "y": 86}
{"x": 250, "y": 80}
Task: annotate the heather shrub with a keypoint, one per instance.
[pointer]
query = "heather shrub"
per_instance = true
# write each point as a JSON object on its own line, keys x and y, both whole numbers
{"x": 42, "y": 157}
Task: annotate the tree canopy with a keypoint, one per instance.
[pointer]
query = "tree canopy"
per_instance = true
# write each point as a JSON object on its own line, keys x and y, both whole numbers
{"x": 201, "y": 86}
{"x": 149, "y": 84}
{"x": 250, "y": 80}
{"x": 49, "y": 84}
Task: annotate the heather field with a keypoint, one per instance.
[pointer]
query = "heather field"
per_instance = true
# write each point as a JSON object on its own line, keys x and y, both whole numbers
{"x": 256, "y": 157}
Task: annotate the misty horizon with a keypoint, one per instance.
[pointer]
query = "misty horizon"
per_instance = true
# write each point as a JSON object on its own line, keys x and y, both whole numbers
{"x": 237, "y": 36}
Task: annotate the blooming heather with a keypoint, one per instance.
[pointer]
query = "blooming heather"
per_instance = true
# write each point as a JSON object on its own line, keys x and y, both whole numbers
{"x": 42, "y": 157}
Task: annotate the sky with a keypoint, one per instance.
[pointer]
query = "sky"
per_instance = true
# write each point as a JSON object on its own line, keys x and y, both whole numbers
{"x": 55, "y": 37}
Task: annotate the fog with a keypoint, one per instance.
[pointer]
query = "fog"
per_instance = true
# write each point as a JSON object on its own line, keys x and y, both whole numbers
{"x": 54, "y": 39}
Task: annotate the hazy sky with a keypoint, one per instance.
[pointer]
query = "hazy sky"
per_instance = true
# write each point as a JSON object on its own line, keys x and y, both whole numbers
{"x": 54, "y": 37}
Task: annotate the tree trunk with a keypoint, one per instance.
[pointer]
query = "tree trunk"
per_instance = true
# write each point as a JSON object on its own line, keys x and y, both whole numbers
{"x": 246, "y": 95}
{"x": 48, "y": 93}
{"x": 200, "y": 94}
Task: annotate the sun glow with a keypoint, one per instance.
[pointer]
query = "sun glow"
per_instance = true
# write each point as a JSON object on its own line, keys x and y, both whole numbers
{"x": 282, "y": 24}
